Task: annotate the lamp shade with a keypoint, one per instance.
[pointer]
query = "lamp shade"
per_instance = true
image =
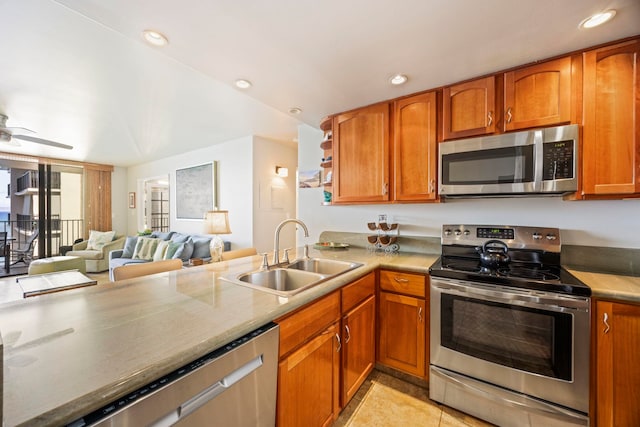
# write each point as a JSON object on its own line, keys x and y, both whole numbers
{"x": 217, "y": 222}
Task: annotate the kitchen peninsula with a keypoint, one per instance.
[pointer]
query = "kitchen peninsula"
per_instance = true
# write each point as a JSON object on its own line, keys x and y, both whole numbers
{"x": 69, "y": 353}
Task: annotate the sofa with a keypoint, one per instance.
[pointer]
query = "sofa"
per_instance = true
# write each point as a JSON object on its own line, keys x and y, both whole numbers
{"x": 95, "y": 251}
{"x": 160, "y": 246}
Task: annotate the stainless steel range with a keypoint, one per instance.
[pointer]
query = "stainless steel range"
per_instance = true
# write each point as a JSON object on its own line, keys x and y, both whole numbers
{"x": 509, "y": 327}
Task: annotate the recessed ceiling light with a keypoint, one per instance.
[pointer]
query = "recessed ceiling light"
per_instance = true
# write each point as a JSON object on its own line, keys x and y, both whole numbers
{"x": 598, "y": 19}
{"x": 398, "y": 79}
{"x": 155, "y": 38}
{"x": 295, "y": 110}
{"x": 243, "y": 84}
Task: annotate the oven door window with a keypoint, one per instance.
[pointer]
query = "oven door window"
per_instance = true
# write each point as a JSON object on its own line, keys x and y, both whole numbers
{"x": 507, "y": 165}
{"x": 530, "y": 340}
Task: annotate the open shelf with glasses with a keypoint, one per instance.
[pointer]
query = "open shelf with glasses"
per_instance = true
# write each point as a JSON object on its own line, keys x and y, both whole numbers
{"x": 327, "y": 159}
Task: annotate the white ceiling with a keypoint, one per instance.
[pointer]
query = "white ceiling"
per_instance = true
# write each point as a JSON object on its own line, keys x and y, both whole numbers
{"x": 78, "y": 72}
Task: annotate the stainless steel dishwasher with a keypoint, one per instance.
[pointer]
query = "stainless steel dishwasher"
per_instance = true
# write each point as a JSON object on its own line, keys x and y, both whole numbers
{"x": 232, "y": 386}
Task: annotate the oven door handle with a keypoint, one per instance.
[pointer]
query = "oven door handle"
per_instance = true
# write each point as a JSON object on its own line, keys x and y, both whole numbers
{"x": 557, "y": 302}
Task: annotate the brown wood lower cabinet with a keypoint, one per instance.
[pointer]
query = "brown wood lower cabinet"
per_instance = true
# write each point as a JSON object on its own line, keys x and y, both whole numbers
{"x": 308, "y": 382}
{"x": 617, "y": 369}
{"x": 328, "y": 340}
{"x": 358, "y": 351}
{"x": 404, "y": 321}
{"x": 402, "y": 333}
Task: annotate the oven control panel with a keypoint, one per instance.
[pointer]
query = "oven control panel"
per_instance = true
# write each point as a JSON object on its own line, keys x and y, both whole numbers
{"x": 514, "y": 236}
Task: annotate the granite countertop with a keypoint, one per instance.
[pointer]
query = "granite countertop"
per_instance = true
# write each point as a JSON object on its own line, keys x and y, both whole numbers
{"x": 610, "y": 286}
{"x": 68, "y": 353}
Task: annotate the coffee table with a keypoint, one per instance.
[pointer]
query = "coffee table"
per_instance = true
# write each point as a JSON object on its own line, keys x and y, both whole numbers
{"x": 39, "y": 284}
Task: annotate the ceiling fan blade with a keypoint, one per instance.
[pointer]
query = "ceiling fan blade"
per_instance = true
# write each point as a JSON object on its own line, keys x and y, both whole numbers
{"x": 43, "y": 141}
{"x": 15, "y": 130}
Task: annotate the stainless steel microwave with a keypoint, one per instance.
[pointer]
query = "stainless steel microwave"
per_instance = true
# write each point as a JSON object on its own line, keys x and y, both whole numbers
{"x": 538, "y": 161}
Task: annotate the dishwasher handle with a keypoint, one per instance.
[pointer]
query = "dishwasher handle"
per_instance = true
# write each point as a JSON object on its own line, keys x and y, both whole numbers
{"x": 209, "y": 393}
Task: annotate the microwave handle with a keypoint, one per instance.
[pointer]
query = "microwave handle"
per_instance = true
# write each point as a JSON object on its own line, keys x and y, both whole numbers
{"x": 538, "y": 162}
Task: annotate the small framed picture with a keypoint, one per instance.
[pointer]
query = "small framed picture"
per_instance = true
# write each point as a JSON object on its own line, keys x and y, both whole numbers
{"x": 132, "y": 200}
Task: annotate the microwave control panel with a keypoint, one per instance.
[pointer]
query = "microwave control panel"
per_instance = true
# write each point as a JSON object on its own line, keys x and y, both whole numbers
{"x": 557, "y": 160}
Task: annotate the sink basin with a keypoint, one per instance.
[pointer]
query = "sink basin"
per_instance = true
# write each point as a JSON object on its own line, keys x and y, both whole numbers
{"x": 329, "y": 267}
{"x": 295, "y": 277}
{"x": 280, "y": 281}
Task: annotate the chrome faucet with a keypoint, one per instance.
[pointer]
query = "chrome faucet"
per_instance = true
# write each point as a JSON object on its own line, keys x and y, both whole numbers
{"x": 276, "y": 238}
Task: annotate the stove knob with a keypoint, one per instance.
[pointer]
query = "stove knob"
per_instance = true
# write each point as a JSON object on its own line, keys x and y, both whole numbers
{"x": 447, "y": 232}
{"x": 551, "y": 236}
{"x": 537, "y": 236}
{"x": 466, "y": 232}
{"x": 458, "y": 232}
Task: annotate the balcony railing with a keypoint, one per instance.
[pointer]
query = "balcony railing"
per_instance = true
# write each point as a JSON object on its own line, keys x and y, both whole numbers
{"x": 64, "y": 232}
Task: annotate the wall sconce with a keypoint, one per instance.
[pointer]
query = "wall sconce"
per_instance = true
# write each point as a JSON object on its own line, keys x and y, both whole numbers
{"x": 282, "y": 171}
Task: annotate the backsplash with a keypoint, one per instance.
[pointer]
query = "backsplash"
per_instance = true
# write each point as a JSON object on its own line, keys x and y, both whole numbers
{"x": 598, "y": 259}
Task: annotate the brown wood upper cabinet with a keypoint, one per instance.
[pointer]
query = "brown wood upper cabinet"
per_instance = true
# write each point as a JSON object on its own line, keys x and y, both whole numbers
{"x": 538, "y": 95}
{"x": 469, "y": 109}
{"x": 361, "y": 155}
{"x": 415, "y": 148}
{"x": 611, "y": 135}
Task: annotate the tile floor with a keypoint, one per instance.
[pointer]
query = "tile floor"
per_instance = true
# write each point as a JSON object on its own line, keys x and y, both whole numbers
{"x": 386, "y": 401}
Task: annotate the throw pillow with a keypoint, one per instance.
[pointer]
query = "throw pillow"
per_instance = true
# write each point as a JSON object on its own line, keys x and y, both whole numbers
{"x": 161, "y": 248}
{"x": 145, "y": 248}
{"x": 201, "y": 247}
{"x": 129, "y": 246}
{"x": 179, "y": 238}
{"x": 185, "y": 250}
{"x": 97, "y": 239}
{"x": 161, "y": 235}
{"x": 172, "y": 248}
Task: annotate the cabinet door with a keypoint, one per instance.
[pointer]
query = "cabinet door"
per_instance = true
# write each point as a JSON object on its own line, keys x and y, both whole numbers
{"x": 402, "y": 333}
{"x": 308, "y": 393}
{"x": 361, "y": 155}
{"x": 358, "y": 350}
{"x": 611, "y": 135}
{"x": 469, "y": 109}
{"x": 539, "y": 95}
{"x": 618, "y": 372}
{"x": 415, "y": 148}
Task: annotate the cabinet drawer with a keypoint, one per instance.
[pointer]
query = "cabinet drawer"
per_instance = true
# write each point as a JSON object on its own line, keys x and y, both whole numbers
{"x": 403, "y": 283}
{"x": 297, "y": 328}
{"x": 357, "y": 291}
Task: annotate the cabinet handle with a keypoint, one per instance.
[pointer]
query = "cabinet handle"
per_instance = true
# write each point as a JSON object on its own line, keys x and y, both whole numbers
{"x": 420, "y": 314}
{"x": 385, "y": 188}
{"x": 339, "y": 343}
{"x": 432, "y": 186}
{"x": 605, "y": 319}
{"x": 490, "y": 116}
{"x": 509, "y": 115}
{"x": 401, "y": 280}
{"x": 348, "y": 334}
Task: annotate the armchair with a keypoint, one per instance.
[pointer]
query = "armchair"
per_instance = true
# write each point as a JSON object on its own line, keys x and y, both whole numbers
{"x": 96, "y": 261}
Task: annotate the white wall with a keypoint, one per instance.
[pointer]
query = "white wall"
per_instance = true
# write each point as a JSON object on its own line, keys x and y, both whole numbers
{"x": 591, "y": 223}
{"x": 245, "y": 165}
{"x": 234, "y": 184}
{"x": 275, "y": 197}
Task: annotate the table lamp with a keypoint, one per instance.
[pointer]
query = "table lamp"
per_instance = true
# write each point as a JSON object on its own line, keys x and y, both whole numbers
{"x": 216, "y": 222}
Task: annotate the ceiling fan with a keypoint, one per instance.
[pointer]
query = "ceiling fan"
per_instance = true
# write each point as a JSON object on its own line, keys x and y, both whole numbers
{"x": 7, "y": 134}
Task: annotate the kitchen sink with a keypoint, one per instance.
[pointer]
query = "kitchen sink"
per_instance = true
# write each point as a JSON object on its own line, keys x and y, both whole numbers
{"x": 330, "y": 267}
{"x": 292, "y": 278}
{"x": 281, "y": 280}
